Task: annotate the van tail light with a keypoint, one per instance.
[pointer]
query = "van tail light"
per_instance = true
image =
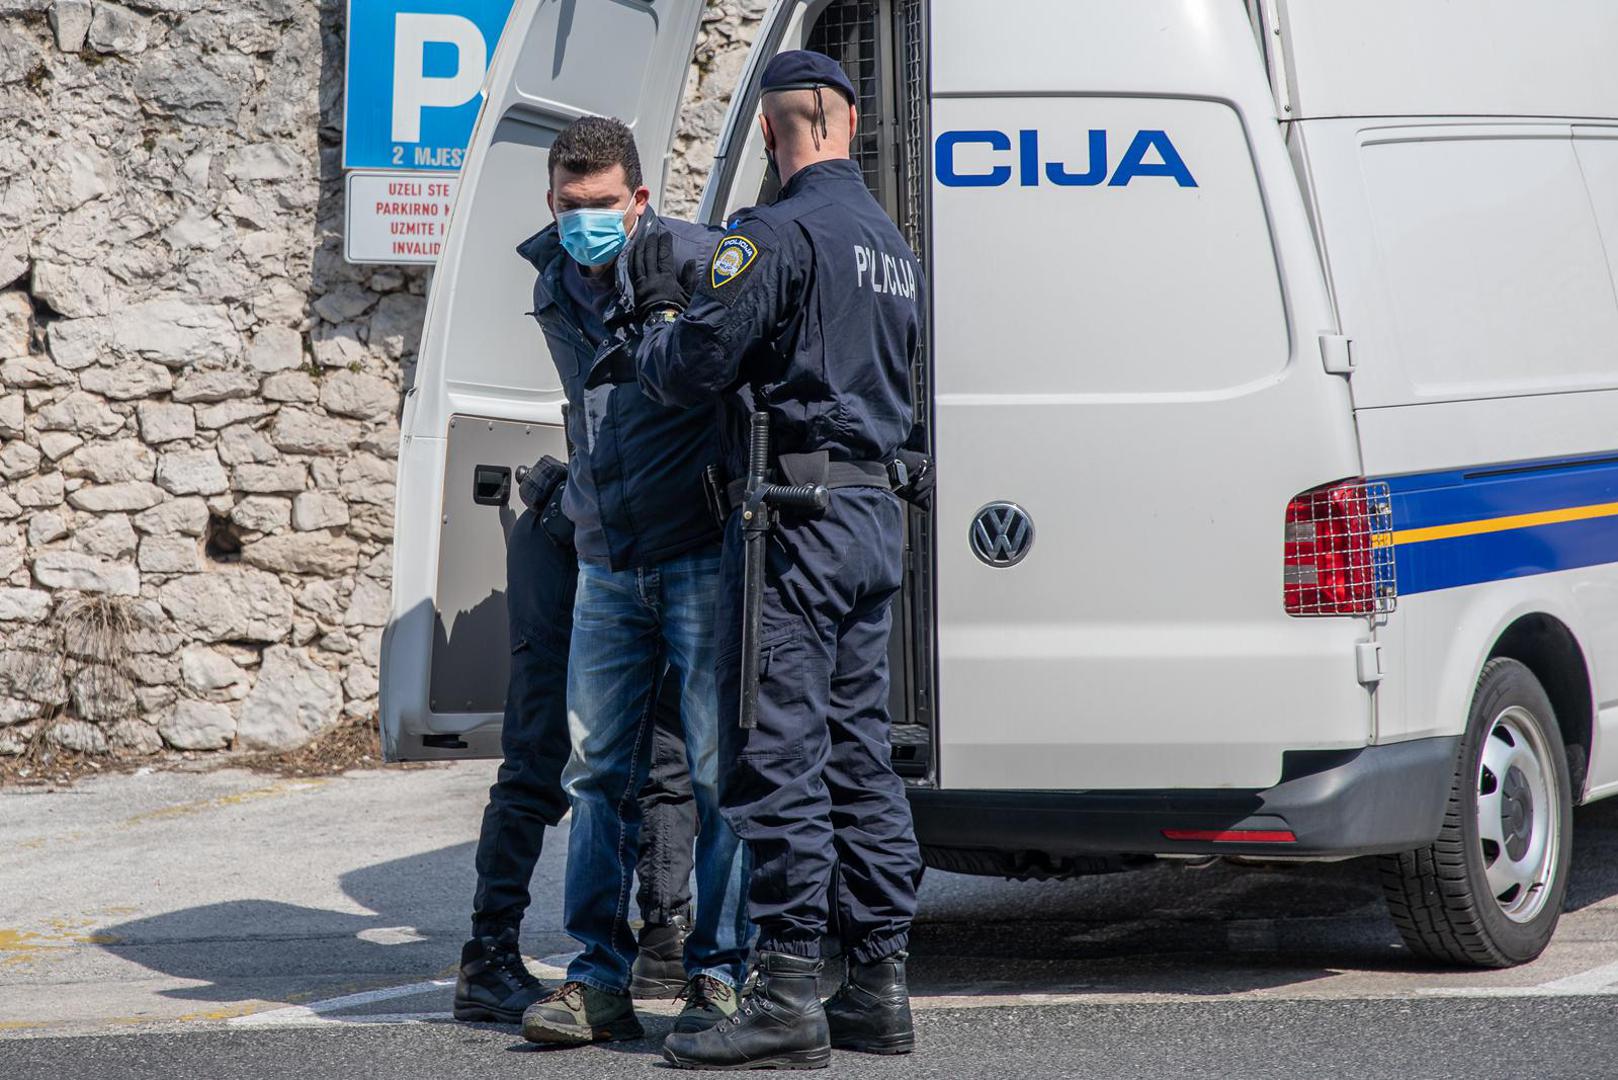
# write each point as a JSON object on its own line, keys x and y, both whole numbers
{"x": 1338, "y": 556}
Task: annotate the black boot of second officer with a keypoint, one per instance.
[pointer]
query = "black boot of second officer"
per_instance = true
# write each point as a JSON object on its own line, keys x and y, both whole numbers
{"x": 870, "y": 1013}
{"x": 780, "y": 1024}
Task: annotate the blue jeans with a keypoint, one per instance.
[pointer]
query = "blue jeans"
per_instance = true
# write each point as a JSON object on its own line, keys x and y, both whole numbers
{"x": 527, "y": 796}
{"x": 626, "y": 626}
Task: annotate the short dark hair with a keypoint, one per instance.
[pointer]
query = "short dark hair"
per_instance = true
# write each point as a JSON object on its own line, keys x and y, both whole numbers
{"x": 593, "y": 144}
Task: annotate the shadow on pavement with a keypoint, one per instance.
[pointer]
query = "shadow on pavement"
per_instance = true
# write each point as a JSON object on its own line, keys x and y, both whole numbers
{"x": 1168, "y": 929}
{"x": 1173, "y": 929}
{"x": 1595, "y": 856}
{"x": 267, "y": 949}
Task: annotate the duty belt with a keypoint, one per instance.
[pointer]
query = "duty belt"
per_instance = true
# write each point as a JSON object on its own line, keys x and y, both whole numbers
{"x": 839, "y": 474}
{"x": 812, "y": 469}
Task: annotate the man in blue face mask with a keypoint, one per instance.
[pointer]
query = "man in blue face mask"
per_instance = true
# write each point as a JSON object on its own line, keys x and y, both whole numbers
{"x": 648, "y": 555}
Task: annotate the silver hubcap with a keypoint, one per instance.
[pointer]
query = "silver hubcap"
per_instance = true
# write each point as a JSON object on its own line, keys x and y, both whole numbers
{"x": 1519, "y": 828}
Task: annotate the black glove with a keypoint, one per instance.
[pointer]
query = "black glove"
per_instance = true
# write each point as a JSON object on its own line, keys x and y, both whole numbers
{"x": 921, "y": 475}
{"x": 537, "y": 485}
{"x": 654, "y": 274}
{"x": 541, "y": 489}
{"x": 555, "y": 524}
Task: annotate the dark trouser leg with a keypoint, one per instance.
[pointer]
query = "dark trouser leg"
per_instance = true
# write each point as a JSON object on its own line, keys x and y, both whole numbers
{"x": 668, "y": 816}
{"x": 879, "y": 861}
{"x": 771, "y": 786}
{"x": 527, "y": 794}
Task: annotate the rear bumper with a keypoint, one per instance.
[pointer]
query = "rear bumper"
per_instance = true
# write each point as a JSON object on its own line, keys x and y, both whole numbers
{"x": 1335, "y": 802}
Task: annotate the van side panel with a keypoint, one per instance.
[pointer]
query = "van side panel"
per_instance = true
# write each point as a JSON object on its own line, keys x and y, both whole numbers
{"x": 1597, "y": 147}
{"x": 1472, "y": 265}
{"x": 1477, "y": 549}
{"x": 1493, "y": 263}
{"x": 1128, "y": 306}
{"x": 1474, "y": 58}
{"x": 1467, "y": 259}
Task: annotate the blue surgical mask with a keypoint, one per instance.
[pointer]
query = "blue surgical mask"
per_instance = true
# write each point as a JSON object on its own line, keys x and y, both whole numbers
{"x": 592, "y": 237}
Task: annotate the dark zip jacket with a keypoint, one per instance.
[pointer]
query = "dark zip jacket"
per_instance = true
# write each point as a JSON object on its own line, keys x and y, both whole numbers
{"x": 636, "y": 466}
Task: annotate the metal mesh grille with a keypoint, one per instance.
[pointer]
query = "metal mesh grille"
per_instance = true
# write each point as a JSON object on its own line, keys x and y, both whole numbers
{"x": 847, "y": 32}
{"x": 909, "y": 47}
{"x": 1339, "y": 552}
{"x": 910, "y": 30}
{"x": 913, "y": 123}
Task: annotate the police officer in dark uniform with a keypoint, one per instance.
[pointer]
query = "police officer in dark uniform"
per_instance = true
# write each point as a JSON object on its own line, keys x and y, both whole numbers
{"x": 812, "y": 306}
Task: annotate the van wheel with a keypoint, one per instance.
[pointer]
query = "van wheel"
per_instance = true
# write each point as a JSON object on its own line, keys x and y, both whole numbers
{"x": 1488, "y": 891}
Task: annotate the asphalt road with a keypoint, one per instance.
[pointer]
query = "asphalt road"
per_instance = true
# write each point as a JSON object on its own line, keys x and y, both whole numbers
{"x": 231, "y": 925}
{"x": 1367, "y": 1040}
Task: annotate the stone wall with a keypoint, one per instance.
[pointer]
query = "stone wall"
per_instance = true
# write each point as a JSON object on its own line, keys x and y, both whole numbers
{"x": 198, "y": 396}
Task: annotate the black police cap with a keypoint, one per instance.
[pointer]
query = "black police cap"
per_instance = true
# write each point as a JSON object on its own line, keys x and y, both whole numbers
{"x": 802, "y": 69}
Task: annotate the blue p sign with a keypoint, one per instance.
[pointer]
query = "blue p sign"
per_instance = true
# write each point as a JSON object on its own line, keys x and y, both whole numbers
{"x": 415, "y": 69}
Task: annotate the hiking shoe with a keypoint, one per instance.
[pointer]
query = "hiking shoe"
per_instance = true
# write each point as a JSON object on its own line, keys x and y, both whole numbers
{"x": 494, "y": 986}
{"x": 707, "y": 1001}
{"x": 780, "y": 1024}
{"x": 659, "y": 970}
{"x": 578, "y": 1014}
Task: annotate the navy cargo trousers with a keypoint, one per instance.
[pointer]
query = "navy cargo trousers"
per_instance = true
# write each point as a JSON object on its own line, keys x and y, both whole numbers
{"x": 527, "y": 796}
{"x": 812, "y": 790}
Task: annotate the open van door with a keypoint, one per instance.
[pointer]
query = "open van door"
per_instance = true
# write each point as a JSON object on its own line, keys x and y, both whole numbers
{"x": 486, "y": 398}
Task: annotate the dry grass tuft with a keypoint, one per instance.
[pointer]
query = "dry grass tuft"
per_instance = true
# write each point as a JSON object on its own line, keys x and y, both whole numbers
{"x": 353, "y": 744}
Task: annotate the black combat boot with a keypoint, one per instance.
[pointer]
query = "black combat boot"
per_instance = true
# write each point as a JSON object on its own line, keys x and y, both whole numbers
{"x": 494, "y": 985}
{"x": 659, "y": 970}
{"x": 780, "y": 1024}
{"x": 871, "y": 1010}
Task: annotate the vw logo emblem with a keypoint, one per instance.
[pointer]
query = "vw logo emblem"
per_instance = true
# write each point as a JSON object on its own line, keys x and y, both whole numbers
{"x": 1002, "y": 534}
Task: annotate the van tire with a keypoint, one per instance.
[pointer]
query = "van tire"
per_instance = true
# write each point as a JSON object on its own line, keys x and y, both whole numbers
{"x": 1439, "y": 896}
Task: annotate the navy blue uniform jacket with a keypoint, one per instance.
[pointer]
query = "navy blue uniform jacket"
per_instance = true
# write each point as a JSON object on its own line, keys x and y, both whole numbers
{"x": 814, "y": 301}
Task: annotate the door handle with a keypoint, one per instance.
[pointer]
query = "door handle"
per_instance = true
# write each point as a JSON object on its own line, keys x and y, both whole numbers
{"x": 491, "y": 485}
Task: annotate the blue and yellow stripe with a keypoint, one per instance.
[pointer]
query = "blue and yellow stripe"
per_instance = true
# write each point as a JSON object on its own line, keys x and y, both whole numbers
{"x": 1492, "y": 523}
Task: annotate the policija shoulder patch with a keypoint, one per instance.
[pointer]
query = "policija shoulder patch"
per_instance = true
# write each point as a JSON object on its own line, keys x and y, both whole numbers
{"x": 731, "y": 259}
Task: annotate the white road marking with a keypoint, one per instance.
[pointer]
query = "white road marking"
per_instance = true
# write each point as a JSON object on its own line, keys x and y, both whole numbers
{"x": 1598, "y": 980}
{"x": 1601, "y": 981}
{"x": 316, "y": 1010}
{"x": 319, "y": 1012}
{"x": 361, "y": 1019}
{"x": 391, "y": 935}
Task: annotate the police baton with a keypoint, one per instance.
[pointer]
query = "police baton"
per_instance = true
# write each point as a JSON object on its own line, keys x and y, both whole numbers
{"x": 761, "y": 503}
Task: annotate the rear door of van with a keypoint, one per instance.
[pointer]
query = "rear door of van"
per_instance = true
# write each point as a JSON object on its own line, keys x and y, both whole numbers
{"x": 1129, "y": 314}
{"x": 486, "y": 398}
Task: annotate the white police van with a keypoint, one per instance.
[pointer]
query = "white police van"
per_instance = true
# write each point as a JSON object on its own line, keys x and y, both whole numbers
{"x": 1272, "y": 379}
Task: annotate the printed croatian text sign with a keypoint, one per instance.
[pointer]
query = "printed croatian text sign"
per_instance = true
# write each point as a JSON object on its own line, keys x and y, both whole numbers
{"x": 397, "y": 217}
{"x": 414, "y": 79}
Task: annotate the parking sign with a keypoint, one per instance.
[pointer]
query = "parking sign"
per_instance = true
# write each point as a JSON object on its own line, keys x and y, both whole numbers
{"x": 414, "y": 79}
